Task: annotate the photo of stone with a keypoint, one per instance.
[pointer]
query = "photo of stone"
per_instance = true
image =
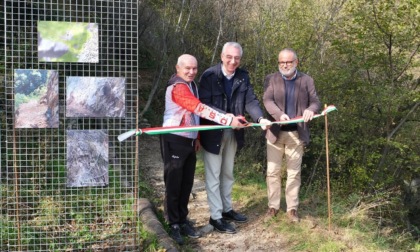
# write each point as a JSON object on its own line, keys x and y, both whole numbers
{"x": 68, "y": 42}
{"x": 36, "y": 98}
{"x": 95, "y": 97}
{"x": 87, "y": 158}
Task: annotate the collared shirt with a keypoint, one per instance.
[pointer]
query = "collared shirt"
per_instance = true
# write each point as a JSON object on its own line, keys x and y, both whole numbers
{"x": 228, "y": 76}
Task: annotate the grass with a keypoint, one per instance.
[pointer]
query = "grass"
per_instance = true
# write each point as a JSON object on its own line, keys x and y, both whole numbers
{"x": 54, "y": 218}
{"x": 354, "y": 221}
{"x": 199, "y": 168}
{"x": 357, "y": 221}
{"x": 83, "y": 217}
{"x": 350, "y": 231}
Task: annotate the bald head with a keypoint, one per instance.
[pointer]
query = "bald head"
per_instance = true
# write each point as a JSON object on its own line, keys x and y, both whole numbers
{"x": 185, "y": 59}
{"x": 187, "y": 67}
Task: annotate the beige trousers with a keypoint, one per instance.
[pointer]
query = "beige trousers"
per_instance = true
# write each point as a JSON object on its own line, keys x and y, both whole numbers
{"x": 291, "y": 148}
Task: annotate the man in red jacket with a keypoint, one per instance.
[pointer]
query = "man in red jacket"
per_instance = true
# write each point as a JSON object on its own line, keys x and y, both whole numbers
{"x": 183, "y": 108}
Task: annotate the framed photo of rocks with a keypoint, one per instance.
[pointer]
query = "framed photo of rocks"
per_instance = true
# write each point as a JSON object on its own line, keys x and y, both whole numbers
{"x": 95, "y": 97}
{"x": 87, "y": 158}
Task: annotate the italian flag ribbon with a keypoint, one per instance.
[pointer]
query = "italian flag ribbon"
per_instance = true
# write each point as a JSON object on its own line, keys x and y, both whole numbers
{"x": 174, "y": 129}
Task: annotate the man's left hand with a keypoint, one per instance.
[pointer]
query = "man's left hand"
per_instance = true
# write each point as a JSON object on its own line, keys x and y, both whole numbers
{"x": 266, "y": 124}
{"x": 308, "y": 115}
{"x": 197, "y": 145}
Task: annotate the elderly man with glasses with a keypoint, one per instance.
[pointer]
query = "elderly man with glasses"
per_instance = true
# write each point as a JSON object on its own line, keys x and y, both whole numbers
{"x": 288, "y": 93}
{"x": 226, "y": 87}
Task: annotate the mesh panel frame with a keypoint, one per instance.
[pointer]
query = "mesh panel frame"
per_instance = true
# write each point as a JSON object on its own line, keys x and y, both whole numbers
{"x": 39, "y": 212}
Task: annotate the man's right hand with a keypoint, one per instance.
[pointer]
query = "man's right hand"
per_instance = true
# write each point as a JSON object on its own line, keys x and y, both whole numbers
{"x": 284, "y": 117}
{"x": 238, "y": 121}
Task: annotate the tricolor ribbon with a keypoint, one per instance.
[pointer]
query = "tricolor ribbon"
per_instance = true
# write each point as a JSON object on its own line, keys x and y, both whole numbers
{"x": 174, "y": 129}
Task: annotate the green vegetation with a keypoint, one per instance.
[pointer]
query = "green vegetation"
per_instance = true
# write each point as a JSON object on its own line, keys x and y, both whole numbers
{"x": 68, "y": 219}
{"x": 358, "y": 222}
{"x": 26, "y": 81}
{"x": 364, "y": 58}
{"x": 34, "y": 96}
{"x": 72, "y": 34}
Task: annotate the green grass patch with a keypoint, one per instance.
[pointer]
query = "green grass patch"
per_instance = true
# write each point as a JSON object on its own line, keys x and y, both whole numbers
{"x": 199, "y": 168}
{"x": 53, "y": 217}
{"x": 358, "y": 222}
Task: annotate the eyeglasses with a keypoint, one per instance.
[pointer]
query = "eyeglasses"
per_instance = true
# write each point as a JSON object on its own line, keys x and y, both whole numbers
{"x": 286, "y": 62}
{"x": 230, "y": 57}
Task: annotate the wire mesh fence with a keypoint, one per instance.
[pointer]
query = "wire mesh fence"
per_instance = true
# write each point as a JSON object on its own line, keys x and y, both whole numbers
{"x": 70, "y": 88}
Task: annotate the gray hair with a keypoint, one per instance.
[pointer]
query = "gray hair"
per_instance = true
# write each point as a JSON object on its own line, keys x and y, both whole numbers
{"x": 232, "y": 44}
{"x": 289, "y": 50}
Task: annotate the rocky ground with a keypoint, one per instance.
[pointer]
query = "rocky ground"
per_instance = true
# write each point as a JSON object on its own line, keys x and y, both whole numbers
{"x": 255, "y": 235}
{"x": 31, "y": 115}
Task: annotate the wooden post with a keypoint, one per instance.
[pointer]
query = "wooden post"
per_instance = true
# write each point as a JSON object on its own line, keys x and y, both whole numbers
{"x": 328, "y": 171}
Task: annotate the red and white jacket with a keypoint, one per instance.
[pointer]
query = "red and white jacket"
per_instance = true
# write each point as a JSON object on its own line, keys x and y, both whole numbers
{"x": 183, "y": 108}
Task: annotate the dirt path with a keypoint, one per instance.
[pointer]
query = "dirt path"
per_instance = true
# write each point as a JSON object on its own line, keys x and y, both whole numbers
{"x": 31, "y": 115}
{"x": 255, "y": 235}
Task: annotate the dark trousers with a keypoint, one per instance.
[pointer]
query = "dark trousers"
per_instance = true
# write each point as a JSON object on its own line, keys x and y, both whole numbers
{"x": 179, "y": 158}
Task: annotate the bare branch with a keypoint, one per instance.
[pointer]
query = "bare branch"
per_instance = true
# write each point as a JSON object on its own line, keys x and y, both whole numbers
{"x": 153, "y": 91}
{"x": 413, "y": 53}
{"x": 178, "y": 25}
{"x": 402, "y": 121}
{"x": 221, "y": 17}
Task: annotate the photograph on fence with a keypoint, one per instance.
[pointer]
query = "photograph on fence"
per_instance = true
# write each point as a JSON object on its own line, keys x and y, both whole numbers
{"x": 68, "y": 42}
{"x": 36, "y": 98}
{"x": 87, "y": 158}
{"x": 95, "y": 97}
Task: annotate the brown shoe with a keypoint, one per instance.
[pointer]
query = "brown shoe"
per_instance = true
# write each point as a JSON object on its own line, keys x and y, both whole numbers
{"x": 269, "y": 216}
{"x": 272, "y": 212}
{"x": 292, "y": 215}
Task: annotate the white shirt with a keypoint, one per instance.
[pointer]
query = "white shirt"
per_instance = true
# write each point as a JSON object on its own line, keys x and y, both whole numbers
{"x": 228, "y": 76}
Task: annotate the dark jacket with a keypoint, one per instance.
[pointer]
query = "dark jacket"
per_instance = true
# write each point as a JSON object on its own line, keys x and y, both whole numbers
{"x": 212, "y": 93}
{"x": 274, "y": 101}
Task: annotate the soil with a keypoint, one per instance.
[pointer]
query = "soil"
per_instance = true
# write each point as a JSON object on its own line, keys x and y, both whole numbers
{"x": 31, "y": 115}
{"x": 255, "y": 235}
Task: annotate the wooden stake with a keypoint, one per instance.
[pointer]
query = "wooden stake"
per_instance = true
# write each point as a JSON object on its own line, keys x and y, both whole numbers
{"x": 328, "y": 171}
